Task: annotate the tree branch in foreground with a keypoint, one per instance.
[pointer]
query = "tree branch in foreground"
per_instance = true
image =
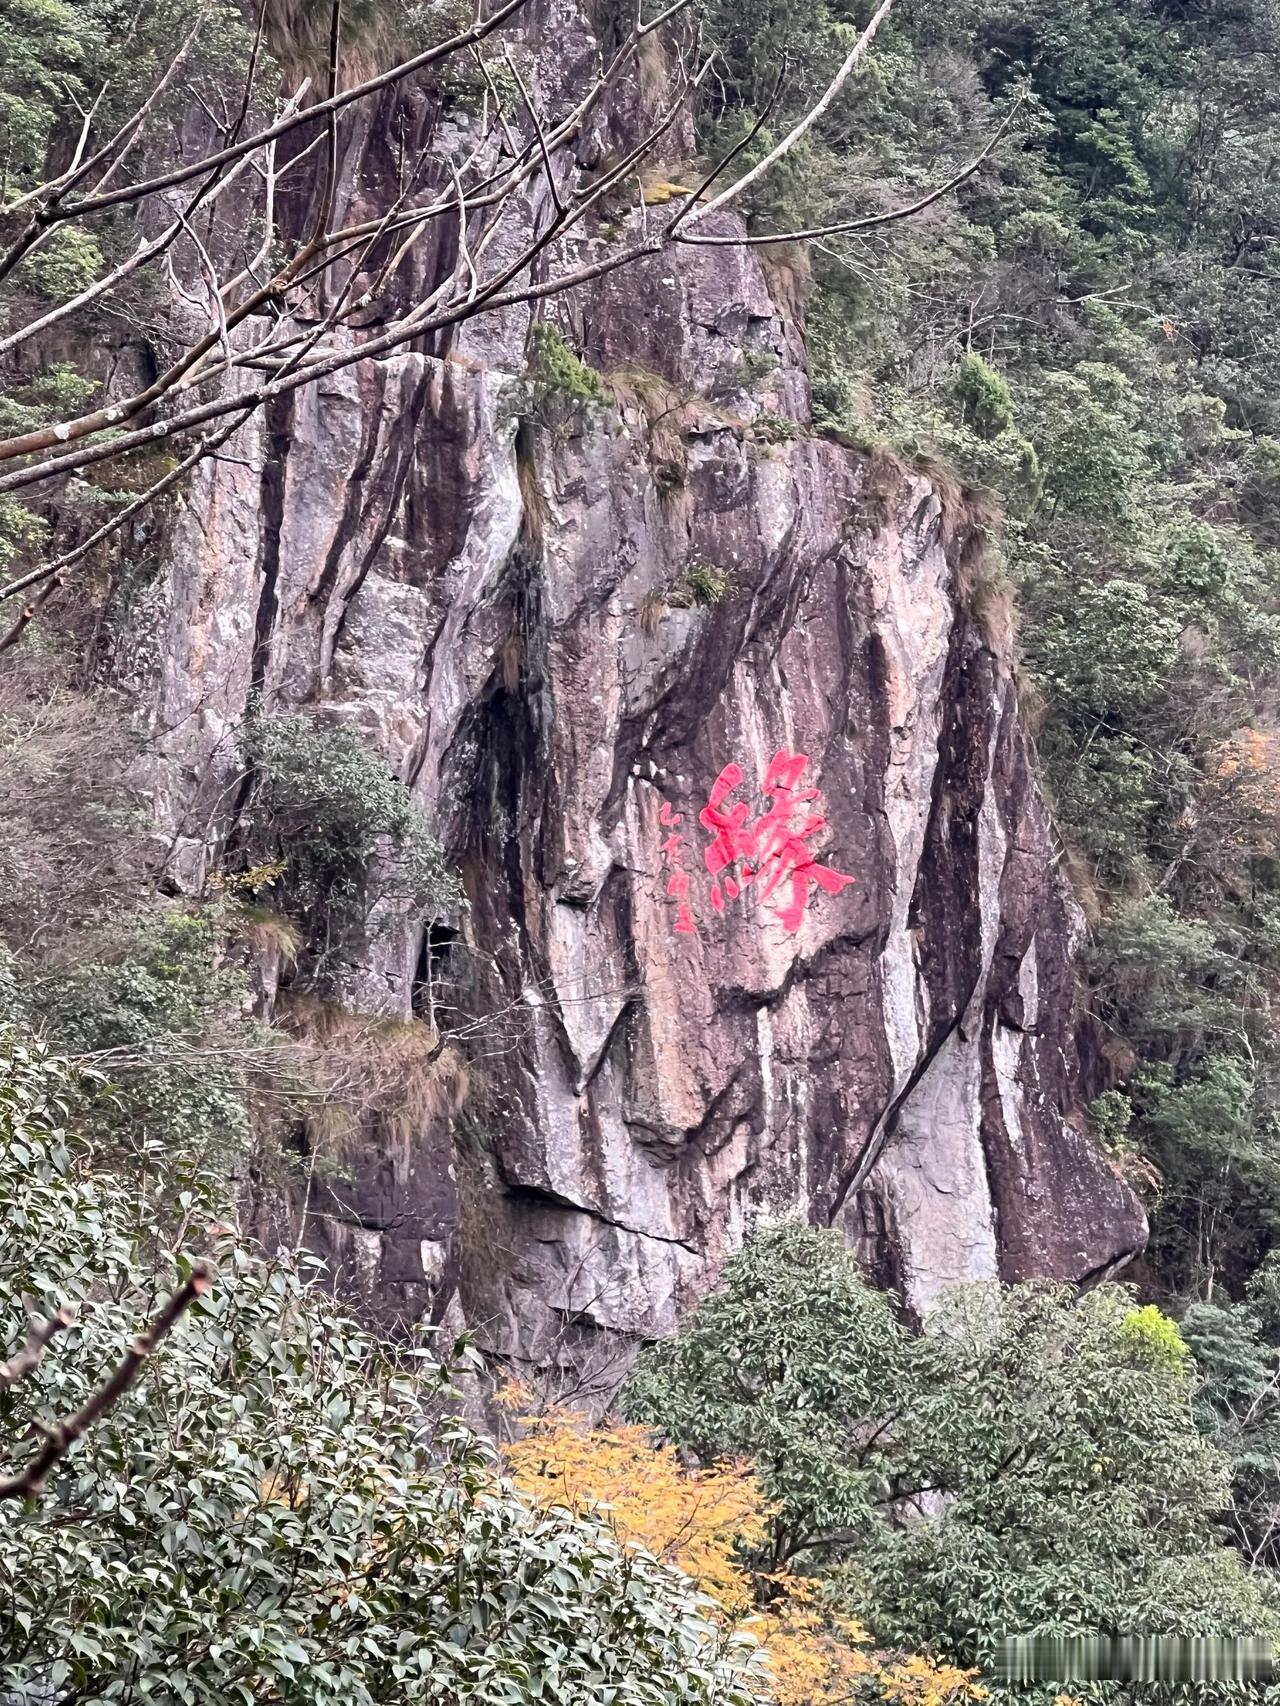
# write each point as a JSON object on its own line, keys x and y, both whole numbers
{"x": 60, "y": 1436}
{"x": 275, "y": 326}
{"x": 42, "y": 1334}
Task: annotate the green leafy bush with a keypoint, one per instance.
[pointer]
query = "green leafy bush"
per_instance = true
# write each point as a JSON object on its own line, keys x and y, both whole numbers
{"x": 1151, "y": 1333}
{"x": 355, "y": 840}
{"x": 60, "y": 390}
{"x": 983, "y": 395}
{"x": 21, "y": 530}
{"x": 1237, "y": 1404}
{"x": 159, "y": 1011}
{"x": 784, "y": 1364}
{"x": 277, "y": 1511}
{"x": 562, "y": 388}
{"x": 43, "y": 54}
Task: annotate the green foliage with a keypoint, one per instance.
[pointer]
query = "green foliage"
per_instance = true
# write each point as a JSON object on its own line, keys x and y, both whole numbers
{"x": 159, "y": 1009}
{"x": 1029, "y": 1462}
{"x": 707, "y": 584}
{"x": 776, "y": 429}
{"x": 1078, "y": 1494}
{"x": 784, "y": 1364}
{"x": 1110, "y": 1116}
{"x": 1149, "y": 1332}
{"x": 60, "y": 390}
{"x": 277, "y": 1511}
{"x": 1156, "y": 971}
{"x": 1200, "y": 1106}
{"x": 562, "y": 387}
{"x": 1237, "y": 1405}
{"x": 59, "y": 58}
{"x": 20, "y": 530}
{"x": 67, "y": 261}
{"x": 42, "y": 52}
{"x": 357, "y": 844}
{"x": 983, "y": 395}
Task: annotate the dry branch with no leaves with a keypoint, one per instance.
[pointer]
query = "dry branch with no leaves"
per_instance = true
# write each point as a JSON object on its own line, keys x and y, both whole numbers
{"x": 275, "y": 326}
{"x": 61, "y": 1435}
{"x": 41, "y": 1336}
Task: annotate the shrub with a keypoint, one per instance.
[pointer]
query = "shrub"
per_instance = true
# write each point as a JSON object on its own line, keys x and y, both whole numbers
{"x": 708, "y": 1521}
{"x": 21, "y": 530}
{"x": 784, "y": 1365}
{"x": 355, "y": 840}
{"x": 277, "y": 1510}
{"x": 707, "y": 584}
{"x": 1151, "y": 1333}
{"x": 60, "y": 390}
{"x": 562, "y": 387}
{"x": 984, "y": 395}
{"x": 159, "y": 1011}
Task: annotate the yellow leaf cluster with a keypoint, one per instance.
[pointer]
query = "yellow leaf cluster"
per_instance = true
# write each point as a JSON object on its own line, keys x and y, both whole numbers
{"x": 692, "y": 1518}
{"x": 248, "y": 882}
{"x": 1244, "y": 778}
{"x": 701, "y": 1520}
{"x": 656, "y": 195}
{"x": 815, "y": 1657}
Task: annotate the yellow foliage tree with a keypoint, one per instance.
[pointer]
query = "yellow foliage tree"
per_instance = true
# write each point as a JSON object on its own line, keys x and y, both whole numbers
{"x": 815, "y": 1657}
{"x": 702, "y": 1521}
{"x": 1242, "y": 799}
{"x": 692, "y": 1518}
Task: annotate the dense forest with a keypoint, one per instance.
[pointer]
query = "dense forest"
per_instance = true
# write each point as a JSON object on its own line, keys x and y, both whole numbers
{"x": 1032, "y": 250}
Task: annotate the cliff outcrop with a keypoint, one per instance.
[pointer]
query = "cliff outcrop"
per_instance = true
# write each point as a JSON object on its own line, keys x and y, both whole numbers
{"x": 560, "y": 623}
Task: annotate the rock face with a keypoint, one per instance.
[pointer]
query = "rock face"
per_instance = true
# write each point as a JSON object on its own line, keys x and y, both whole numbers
{"x": 559, "y": 625}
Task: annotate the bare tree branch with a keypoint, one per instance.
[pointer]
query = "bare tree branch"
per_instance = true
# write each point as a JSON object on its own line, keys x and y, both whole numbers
{"x": 495, "y": 293}
{"x": 61, "y": 1435}
{"x": 30, "y": 1356}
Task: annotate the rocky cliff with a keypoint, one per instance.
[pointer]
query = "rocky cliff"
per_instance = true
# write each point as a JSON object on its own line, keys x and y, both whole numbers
{"x": 560, "y": 624}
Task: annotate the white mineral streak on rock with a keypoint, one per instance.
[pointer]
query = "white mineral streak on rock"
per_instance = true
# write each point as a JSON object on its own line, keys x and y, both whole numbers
{"x": 935, "y": 1168}
{"x": 1013, "y": 1062}
{"x": 910, "y": 583}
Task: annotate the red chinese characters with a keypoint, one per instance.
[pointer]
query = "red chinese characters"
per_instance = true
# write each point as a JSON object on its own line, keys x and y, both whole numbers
{"x": 770, "y": 852}
{"x": 672, "y": 851}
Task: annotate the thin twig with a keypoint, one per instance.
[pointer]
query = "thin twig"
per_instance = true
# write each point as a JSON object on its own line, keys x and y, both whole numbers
{"x": 61, "y": 1435}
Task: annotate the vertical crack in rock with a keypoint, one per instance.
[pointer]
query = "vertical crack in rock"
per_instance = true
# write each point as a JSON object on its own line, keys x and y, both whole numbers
{"x": 279, "y": 429}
